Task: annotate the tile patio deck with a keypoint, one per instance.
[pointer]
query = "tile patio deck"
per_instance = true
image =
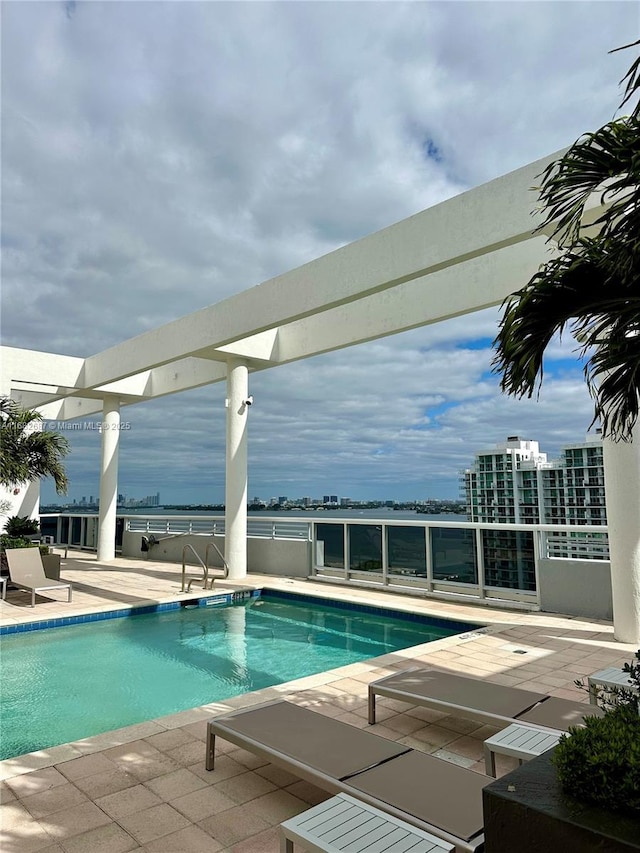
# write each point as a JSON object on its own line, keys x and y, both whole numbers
{"x": 145, "y": 788}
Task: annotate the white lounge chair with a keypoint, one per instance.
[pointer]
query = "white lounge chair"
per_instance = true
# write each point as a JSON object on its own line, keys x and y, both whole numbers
{"x": 27, "y": 572}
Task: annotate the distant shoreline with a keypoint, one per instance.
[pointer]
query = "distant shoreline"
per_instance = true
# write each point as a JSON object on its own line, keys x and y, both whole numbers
{"x": 338, "y": 514}
{"x": 428, "y": 509}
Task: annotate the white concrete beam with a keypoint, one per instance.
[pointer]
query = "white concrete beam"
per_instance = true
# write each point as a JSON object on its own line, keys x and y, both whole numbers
{"x": 17, "y": 364}
{"x": 497, "y": 214}
{"x": 470, "y": 286}
{"x": 70, "y": 408}
{"x": 255, "y": 348}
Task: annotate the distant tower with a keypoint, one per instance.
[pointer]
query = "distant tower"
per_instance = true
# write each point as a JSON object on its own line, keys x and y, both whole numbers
{"x": 514, "y": 483}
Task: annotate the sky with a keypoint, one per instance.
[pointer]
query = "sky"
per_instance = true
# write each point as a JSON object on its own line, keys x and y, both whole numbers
{"x": 158, "y": 157}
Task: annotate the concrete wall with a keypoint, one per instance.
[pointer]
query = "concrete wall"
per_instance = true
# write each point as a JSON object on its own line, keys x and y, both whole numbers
{"x": 576, "y": 587}
{"x": 286, "y": 557}
{"x": 23, "y": 499}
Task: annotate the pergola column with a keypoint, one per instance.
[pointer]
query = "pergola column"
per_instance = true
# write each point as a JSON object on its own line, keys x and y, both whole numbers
{"x": 236, "y": 469}
{"x": 109, "y": 478}
{"x": 622, "y": 488}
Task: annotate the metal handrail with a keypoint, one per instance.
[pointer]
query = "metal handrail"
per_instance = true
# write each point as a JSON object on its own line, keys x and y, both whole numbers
{"x": 186, "y": 548}
{"x": 205, "y": 566}
{"x": 225, "y": 565}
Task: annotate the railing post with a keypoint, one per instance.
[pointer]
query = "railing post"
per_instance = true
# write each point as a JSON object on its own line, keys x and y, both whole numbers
{"x": 480, "y": 562}
{"x": 538, "y": 534}
{"x": 385, "y": 554}
{"x": 429, "y": 559}
{"x": 345, "y": 546}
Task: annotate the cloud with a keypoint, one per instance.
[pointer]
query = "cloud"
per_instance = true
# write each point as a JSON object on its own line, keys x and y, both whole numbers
{"x": 158, "y": 158}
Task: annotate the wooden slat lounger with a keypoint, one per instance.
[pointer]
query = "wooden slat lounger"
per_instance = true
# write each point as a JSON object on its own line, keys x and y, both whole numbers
{"x": 427, "y": 792}
{"x": 484, "y": 701}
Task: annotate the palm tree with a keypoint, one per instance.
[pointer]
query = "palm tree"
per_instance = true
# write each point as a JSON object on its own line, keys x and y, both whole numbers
{"x": 593, "y": 287}
{"x": 28, "y": 452}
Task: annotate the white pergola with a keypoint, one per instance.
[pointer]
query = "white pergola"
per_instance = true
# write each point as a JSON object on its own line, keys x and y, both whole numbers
{"x": 460, "y": 256}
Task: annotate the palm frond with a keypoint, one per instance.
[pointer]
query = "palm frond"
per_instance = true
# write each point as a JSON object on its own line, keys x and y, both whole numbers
{"x": 607, "y": 161}
{"x": 593, "y": 289}
{"x": 27, "y": 452}
{"x": 632, "y": 77}
{"x": 567, "y": 292}
{"x": 613, "y": 377}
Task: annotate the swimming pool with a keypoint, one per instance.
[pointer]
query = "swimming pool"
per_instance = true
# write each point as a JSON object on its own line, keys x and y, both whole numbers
{"x": 62, "y": 684}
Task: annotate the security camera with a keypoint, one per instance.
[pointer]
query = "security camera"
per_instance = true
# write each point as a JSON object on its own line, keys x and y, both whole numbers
{"x": 249, "y": 400}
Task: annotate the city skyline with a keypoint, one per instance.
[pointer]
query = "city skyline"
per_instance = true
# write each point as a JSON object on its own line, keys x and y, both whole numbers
{"x": 149, "y": 171}
{"x": 545, "y": 460}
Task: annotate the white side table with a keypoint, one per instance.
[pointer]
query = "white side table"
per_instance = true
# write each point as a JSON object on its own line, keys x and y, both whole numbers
{"x": 3, "y": 584}
{"x": 344, "y": 824}
{"x": 610, "y": 677}
{"x": 521, "y": 742}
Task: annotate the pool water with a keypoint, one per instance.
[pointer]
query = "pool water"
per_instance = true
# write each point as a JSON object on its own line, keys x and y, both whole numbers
{"x": 62, "y": 684}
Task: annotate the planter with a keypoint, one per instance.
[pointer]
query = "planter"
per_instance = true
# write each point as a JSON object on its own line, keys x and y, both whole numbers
{"x": 536, "y": 815}
{"x": 51, "y": 564}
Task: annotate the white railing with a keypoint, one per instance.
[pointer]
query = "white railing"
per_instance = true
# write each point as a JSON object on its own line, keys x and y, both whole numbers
{"x": 472, "y": 560}
{"x": 258, "y": 528}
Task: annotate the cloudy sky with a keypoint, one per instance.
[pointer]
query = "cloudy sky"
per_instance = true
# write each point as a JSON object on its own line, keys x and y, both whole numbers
{"x": 158, "y": 157}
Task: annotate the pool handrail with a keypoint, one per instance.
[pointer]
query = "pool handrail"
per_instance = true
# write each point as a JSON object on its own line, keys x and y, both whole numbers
{"x": 205, "y": 566}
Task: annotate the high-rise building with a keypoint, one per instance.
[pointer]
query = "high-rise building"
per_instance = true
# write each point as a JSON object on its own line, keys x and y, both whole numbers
{"x": 503, "y": 486}
{"x": 515, "y": 483}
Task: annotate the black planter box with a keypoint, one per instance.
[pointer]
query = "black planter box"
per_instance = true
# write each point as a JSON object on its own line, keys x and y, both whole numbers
{"x": 536, "y": 816}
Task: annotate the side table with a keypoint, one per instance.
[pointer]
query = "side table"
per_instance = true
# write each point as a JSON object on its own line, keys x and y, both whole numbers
{"x": 345, "y": 824}
{"x": 610, "y": 677}
{"x": 521, "y": 742}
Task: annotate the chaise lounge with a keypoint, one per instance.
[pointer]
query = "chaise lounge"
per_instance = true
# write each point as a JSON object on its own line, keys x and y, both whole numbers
{"x": 436, "y": 796}
{"x": 483, "y": 701}
{"x": 27, "y": 572}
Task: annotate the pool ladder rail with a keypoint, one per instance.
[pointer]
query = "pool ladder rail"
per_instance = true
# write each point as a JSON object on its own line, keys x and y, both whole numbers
{"x": 205, "y": 566}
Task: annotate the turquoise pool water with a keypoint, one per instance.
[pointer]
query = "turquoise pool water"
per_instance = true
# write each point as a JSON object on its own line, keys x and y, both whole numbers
{"x": 62, "y": 684}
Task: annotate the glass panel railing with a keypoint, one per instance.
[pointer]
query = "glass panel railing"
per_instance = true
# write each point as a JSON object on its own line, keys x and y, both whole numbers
{"x": 64, "y": 528}
{"x": 365, "y": 547}
{"x": 509, "y": 560}
{"x": 407, "y": 551}
{"x": 330, "y": 539}
{"x": 75, "y": 537}
{"x": 49, "y": 527}
{"x": 453, "y": 553}
{"x": 119, "y": 532}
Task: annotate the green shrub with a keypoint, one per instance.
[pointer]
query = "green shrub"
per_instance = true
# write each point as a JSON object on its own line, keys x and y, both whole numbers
{"x": 21, "y": 526}
{"x": 19, "y": 542}
{"x": 600, "y": 763}
{"x": 14, "y": 542}
{"x": 610, "y": 697}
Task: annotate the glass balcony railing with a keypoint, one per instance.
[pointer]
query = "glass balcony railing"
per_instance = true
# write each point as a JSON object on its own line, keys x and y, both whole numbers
{"x": 491, "y": 560}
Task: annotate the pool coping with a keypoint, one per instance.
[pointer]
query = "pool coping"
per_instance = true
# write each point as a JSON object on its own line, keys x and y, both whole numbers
{"x": 125, "y": 612}
{"x": 232, "y": 598}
